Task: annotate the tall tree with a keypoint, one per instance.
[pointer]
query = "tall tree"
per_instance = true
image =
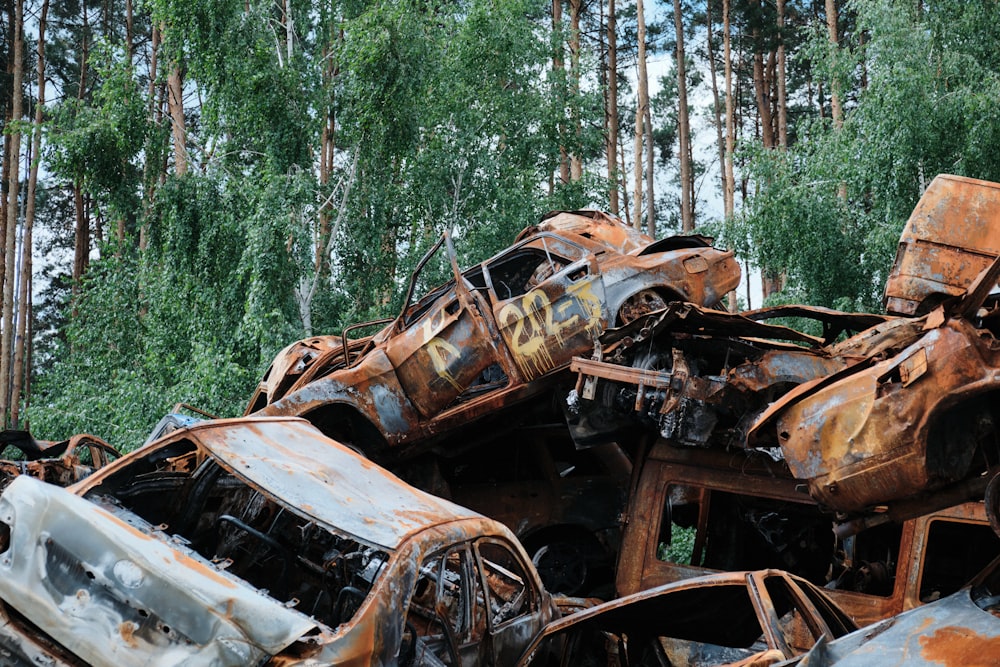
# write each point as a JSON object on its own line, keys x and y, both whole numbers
{"x": 11, "y": 222}
{"x": 729, "y": 190}
{"x": 683, "y": 126}
{"x": 22, "y": 361}
{"x": 781, "y": 79}
{"x": 642, "y": 104}
{"x": 611, "y": 106}
{"x": 832, "y": 19}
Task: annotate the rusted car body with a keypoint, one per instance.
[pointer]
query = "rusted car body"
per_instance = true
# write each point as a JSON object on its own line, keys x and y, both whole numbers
{"x": 960, "y": 630}
{"x": 497, "y": 334}
{"x": 734, "y": 619}
{"x": 952, "y": 236}
{"x": 60, "y": 463}
{"x": 741, "y": 510}
{"x": 257, "y": 541}
{"x": 920, "y": 418}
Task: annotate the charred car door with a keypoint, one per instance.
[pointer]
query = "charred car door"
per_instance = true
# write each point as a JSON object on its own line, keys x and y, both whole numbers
{"x": 443, "y": 346}
{"x": 548, "y": 300}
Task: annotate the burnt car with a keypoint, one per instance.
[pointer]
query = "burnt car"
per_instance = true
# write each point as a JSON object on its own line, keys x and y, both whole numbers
{"x": 497, "y": 334}
{"x": 960, "y": 630}
{"x": 702, "y": 377}
{"x": 61, "y": 463}
{"x": 736, "y": 618}
{"x": 257, "y": 541}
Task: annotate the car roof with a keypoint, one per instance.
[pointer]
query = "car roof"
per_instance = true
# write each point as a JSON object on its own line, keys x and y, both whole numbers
{"x": 292, "y": 460}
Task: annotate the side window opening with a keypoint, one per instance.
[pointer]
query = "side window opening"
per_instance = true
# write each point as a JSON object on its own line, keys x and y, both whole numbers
{"x": 956, "y": 551}
{"x": 521, "y": 271}
{"x": 444, "y": 613}
{"x": 507, "y": 587}
{"x": 718, "y": 530}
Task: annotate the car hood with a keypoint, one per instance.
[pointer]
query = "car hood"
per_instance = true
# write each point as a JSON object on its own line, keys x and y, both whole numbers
{"x": 114, "y": 594}
{"x": 953, "y": 631}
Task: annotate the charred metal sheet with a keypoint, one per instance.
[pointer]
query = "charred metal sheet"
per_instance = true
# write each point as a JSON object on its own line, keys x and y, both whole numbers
{"x": 893, "y": 430}
{"x": 961, "y": 629}
{"x": 497, "y": 334}
{"x": 952, "y": 235}
{"x": 285, "y": 457}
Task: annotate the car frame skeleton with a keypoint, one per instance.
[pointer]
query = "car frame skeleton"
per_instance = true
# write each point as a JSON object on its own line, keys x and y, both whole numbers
{"x": 495, "y": 335}
{"x": 257, "y": 541}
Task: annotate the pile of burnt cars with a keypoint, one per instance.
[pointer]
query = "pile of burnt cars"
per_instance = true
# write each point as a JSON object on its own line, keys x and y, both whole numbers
{"x": 482, "y": 361}
{"x": 752, "y": 493}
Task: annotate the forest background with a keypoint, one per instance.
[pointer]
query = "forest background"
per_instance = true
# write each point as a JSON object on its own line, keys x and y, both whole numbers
{"x": 190, "y": 185}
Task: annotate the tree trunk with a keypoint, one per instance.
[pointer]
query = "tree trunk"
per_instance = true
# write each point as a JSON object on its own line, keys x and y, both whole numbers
{"x": 557, "y": 68}
{"x": 612, "y": 109}
{"x": 575, "y": 161}
{"x": 640, "y": 112}
{"x": 761, "y": 89}
{"x": 782, "y": 99}
{"x": 836, "y": 111}
{"x": 24, "y": 291}
{"x": 13, "y": 201}
{"x": 650, "y": 164}
{"x": 716, "y": 105}
{"x": 729, "y": 193}
{"x": 129, "y": 37}
{"x": 84, "y": 52}
{"x": 175, "y": 104}
{"x": 683, "y": 125}
{"x": 81, "y": 243}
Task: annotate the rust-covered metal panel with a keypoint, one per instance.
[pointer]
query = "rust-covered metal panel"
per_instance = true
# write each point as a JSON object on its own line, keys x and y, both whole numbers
{"x": 960, "y": 630}
{"x": 898, "y": 428}
{"x": 951, "y": 236}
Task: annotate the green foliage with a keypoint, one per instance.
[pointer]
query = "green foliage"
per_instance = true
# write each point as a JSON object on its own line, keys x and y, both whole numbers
{"x": 681, "y": 546}
{"x": 97, "y": 144}
{"x": 929, "y": 108}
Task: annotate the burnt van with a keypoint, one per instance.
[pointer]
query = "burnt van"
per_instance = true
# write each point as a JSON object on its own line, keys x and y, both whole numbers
{"x": 695, "y": 511}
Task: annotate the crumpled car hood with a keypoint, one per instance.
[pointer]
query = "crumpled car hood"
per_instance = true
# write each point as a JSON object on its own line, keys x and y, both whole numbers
{"x": 113, "y": 594}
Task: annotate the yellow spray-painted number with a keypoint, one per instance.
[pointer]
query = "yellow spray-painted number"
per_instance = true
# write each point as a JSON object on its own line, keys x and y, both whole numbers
{"x": 442, "y": 354}
{"x": 530, "y": 319}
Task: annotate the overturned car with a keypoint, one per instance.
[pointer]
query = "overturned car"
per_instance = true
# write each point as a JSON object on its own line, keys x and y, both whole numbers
{"x": 497, "y": 334}
{"x": 256, "y": 541}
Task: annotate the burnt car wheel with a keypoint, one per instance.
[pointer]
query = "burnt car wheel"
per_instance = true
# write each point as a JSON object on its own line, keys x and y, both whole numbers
{"x": 640, "y": 304}
{"x": 993, "y": 503}
{"x": 562, "y": 566}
